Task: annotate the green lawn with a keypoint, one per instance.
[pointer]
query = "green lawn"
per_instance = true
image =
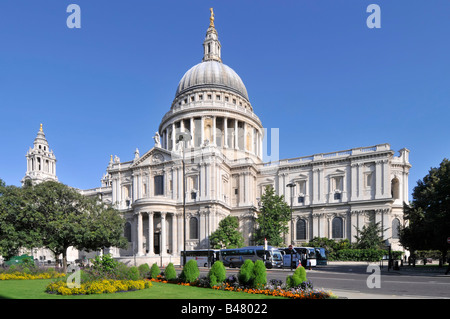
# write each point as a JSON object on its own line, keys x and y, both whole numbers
{"x": 35, "y": 289}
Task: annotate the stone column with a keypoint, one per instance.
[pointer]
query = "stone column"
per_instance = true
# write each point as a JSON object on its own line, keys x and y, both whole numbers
{"x": 321, "y": 177}
{"x": 203, "y": 130}
{"x": 173, "y": 137}
{"x": 241, "y": 189}
{"x": 163, "y": 235}
{"x": 353, "y": 224}
{"x": 225, "y": 132}
{"x": 133, "y": 196}
{"x": 378, "y": 179}
{"x": 180, "y": 233}
{"x": 201, "y": 226}
{"x": 214, "y": 135}
{"x": 151, "y": 234}
{"x": 192, "y": 142}
{"x": 236, "y": 135}
{"x": 175, "y": 234}
{"x": 245, "y": 138}
{"x": 360, "y": 181}
{"x": 354, "y": 182}
{"x": 139, "y": 235}
{"x": 386, "y": 179}
{"x": 166, "y": 138}
{"x": 315, "y": 186}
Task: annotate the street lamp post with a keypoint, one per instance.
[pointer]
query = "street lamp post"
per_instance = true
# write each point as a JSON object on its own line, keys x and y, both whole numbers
{"x": 263, "y": 229}
{"x": 184, "y": 137}
{"x": 209, "y": 241}
{"x": 291, "y": 185}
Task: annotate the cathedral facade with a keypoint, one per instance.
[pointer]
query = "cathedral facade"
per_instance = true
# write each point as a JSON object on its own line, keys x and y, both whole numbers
{"x": 207, "y": 163}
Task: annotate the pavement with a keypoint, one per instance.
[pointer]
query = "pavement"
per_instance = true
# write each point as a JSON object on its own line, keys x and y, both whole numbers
{"x": 352, "y": 265}
{"x": 405, "y": 270}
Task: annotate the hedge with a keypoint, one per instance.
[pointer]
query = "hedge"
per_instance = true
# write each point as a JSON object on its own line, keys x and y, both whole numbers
{"x": 365, "y": 254}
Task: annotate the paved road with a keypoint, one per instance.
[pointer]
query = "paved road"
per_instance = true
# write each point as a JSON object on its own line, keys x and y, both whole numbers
{"x": 349, "y": 280}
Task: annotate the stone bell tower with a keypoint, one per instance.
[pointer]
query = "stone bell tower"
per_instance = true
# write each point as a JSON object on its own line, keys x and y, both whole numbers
{"x": 41, "y": 162}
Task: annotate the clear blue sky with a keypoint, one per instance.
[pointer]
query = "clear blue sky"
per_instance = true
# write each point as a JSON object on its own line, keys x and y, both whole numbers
{"x": 313, "y": 69}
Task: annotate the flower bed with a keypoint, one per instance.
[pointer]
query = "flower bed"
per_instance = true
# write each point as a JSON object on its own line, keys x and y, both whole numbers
{"x": 294, "y": 293}
{"x": 97, "y": 287}
{"x": 26, "y": 276}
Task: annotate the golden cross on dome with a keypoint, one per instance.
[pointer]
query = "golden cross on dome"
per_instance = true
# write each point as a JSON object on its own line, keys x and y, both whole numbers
{"x": 211, "y": 19}
{"x": 40, "y": 129}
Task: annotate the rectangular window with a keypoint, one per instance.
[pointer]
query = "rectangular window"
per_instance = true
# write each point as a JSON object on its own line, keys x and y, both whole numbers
{"x": 368, "y": 179}
{"x": 159, "y": 185}
{"x": 301, "y": 199}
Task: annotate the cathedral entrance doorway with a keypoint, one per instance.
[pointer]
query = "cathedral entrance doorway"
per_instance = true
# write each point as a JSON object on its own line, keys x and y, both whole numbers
{"x": 156, "y": 240}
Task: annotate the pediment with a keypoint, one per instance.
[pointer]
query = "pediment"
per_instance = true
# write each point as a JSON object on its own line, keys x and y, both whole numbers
{"x": 338, "y": 172}
{"x": 266, "y": 181}
{"x": 300, "y": 177}
{"x": 154, "y": 156}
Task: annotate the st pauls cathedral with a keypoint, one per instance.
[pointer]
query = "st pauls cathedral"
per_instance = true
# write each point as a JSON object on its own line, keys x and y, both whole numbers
{"x": 212, "y": 129}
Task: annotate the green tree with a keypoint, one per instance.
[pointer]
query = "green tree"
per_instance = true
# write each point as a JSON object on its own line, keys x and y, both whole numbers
{"x": 103, "y": 226}
{"x": 273, "y": 218}
{"x": 245, "y": 275}
{"x": 154, "y": 271}
{"x": 227, "y": 235}
{"x": 370, "y": 236}
{"x": 170, "y": 273}
{"x": 428, "y": 214}
{"x": 217, "y": 274}
{"x": 55, "y": 216}
{"x": 60, "y": 217}
{"x": 15, "y": 220}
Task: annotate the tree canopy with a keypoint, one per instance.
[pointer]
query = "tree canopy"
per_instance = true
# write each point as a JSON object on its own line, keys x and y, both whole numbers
{"x": 227, "y": 235}
{"x": 55, "y": 216}
{"x": 273, "y": 218}
{"x": 428, "y": 214}
{"x": 370, "y": 237}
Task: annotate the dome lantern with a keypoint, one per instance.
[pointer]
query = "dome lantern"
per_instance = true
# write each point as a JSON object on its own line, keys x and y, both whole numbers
{"x": 211, "y": 45}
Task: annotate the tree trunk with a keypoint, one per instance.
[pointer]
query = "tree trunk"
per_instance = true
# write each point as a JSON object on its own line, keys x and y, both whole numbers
{"x": 64, "y": 261}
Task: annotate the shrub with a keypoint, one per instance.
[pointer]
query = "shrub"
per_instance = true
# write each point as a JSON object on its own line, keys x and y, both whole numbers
{"x": 217, "y": 274}
{"x": 133, "y": 273}
{"x": 190, "y": 271}
{"x": 259, "y": 275}
{"x": 144, "y": 270}
{"x": 297, "y": 277}
{"x": 170, "y": 272}
{"x": 154, "y": 271}
{"x": 104, "y": 263}
{"x": 246, "y": 275}
{"x": 97, "y": 287}
{"x": 361, "y": 254}
{"x": 121, "y": 271}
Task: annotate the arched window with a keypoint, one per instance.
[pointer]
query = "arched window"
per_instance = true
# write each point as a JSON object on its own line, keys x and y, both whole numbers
{"x": 127, "y": 232}
{"x": 301, "y": 229}
{"x": 337, "y": 228}
{"x": 193, "y": 228}
{"x": 395, "y": 228}
{"x": 395, "y": 188}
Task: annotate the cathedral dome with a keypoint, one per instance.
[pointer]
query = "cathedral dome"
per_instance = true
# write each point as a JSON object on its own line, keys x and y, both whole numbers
{"x": 213, "y": 74}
